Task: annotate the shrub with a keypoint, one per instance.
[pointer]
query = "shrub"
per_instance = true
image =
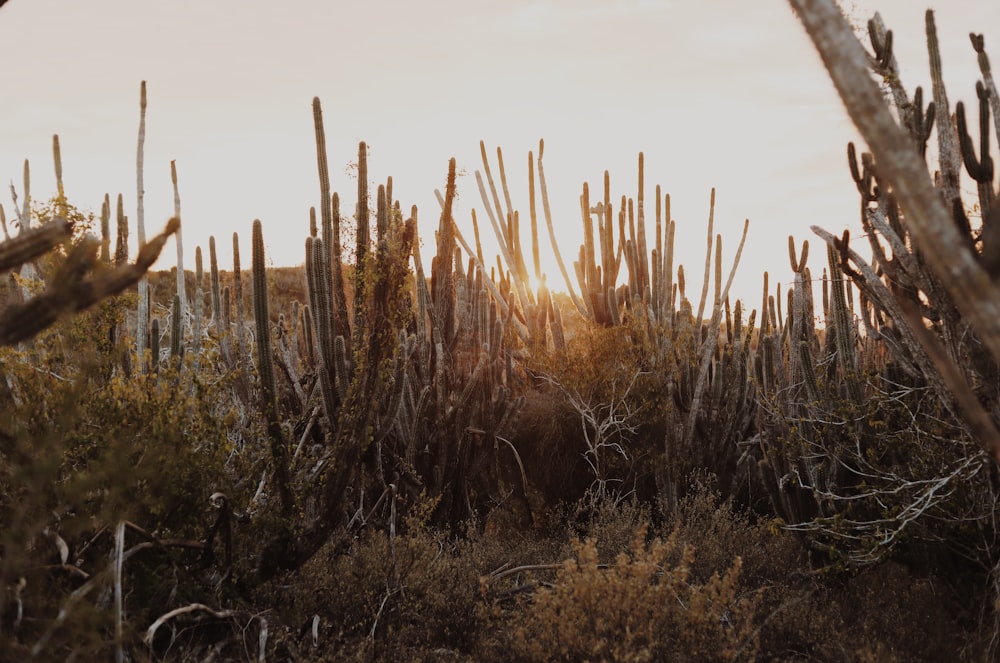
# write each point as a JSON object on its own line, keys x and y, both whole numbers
{"x": 643, "y": 607}
{"x": 83, "y": 448}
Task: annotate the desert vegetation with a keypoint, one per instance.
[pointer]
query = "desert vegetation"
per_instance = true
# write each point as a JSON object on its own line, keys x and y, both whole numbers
{"x": 373, "y": 458}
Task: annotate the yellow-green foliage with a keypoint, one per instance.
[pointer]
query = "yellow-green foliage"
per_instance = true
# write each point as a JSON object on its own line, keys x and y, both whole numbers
{"x": 82, "y": 220}
{"x": 83, "y": 447}
{"x": 130, "y": 443}
{"x": 643, "y": 607}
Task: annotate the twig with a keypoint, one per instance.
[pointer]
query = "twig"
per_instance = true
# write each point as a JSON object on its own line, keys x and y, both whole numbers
{"x": 177, "y": 612}
{"x": 119, "y": 564}
{"x": 381, "y": 607}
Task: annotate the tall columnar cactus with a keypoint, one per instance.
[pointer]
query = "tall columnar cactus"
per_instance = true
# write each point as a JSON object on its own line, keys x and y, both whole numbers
{"x": 176, "y": 329}
{"x": 321, "y": 305}
{"x": 981, "y": 168}
{"x": 142, "y": 313}
{"x": 199, "y": 303}
{"x": 265, "y": 369}
{"x": 61, "y": 203}
{"x": 27, "y": 269}
{"x": 442, "y": 268}
{"x": 238, "y": 296}
{"x": 843, "y": 326}
{"x": 330, "y": 217}
{"x": 154, "y": 345}
{"x": 121, "y": 236}
{"x": 24, "y": 211}
{"x": 106, "y": 230}
{"x": 213, "y": 263}
{"x": 178, "y": 238}
{"x": 362, "y": 240}
{"x": 505, "y": 227}
{"x": 979, "y": 45}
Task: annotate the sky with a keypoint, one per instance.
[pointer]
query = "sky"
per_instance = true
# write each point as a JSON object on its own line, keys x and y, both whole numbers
{"x": 716, "y": 93}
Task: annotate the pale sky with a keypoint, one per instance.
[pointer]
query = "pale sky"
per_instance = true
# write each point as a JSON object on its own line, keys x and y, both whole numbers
{"x": 723, "y": 93}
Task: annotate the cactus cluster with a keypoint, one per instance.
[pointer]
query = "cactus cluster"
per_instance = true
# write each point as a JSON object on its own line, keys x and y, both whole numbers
{"x": 844, "y": 409}
{"x": 708, "y": 405}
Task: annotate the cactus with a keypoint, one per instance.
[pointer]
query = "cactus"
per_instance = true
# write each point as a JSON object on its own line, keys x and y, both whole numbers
{"x": 238, "y": 296}
{"x": 176, "y": 329}
{"x": 121, "y": 237}
{"x": 341, "y": 366}
{"x": 105, "y": 231}
{"x": 979, "y": 46}
{"x": 929, "y": 317}
{"x": 199, "y": 303}
{"x": 362, "y": 240}
{"x": 142, "y": 313}
{"x": 154, "y": 344}
{"x": 843, "y": 326}
{"x": 320, "y": 302}
{"x": 61, "y": 204}
{"x": 286, "y": 342}
{"x": 265, "y": 368}
{"x": 225, "y": 327}
{"x": 330, "y": 215}
{"x": 981, "y": 168}
{"x": 178, "y": 238}
{"x": 948, "y": 146}
{"x": 309, "y": 344}
{"x": 930, "y": 221}
{"x": 213, "y": 263}
{"x": 921, "y": 121}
